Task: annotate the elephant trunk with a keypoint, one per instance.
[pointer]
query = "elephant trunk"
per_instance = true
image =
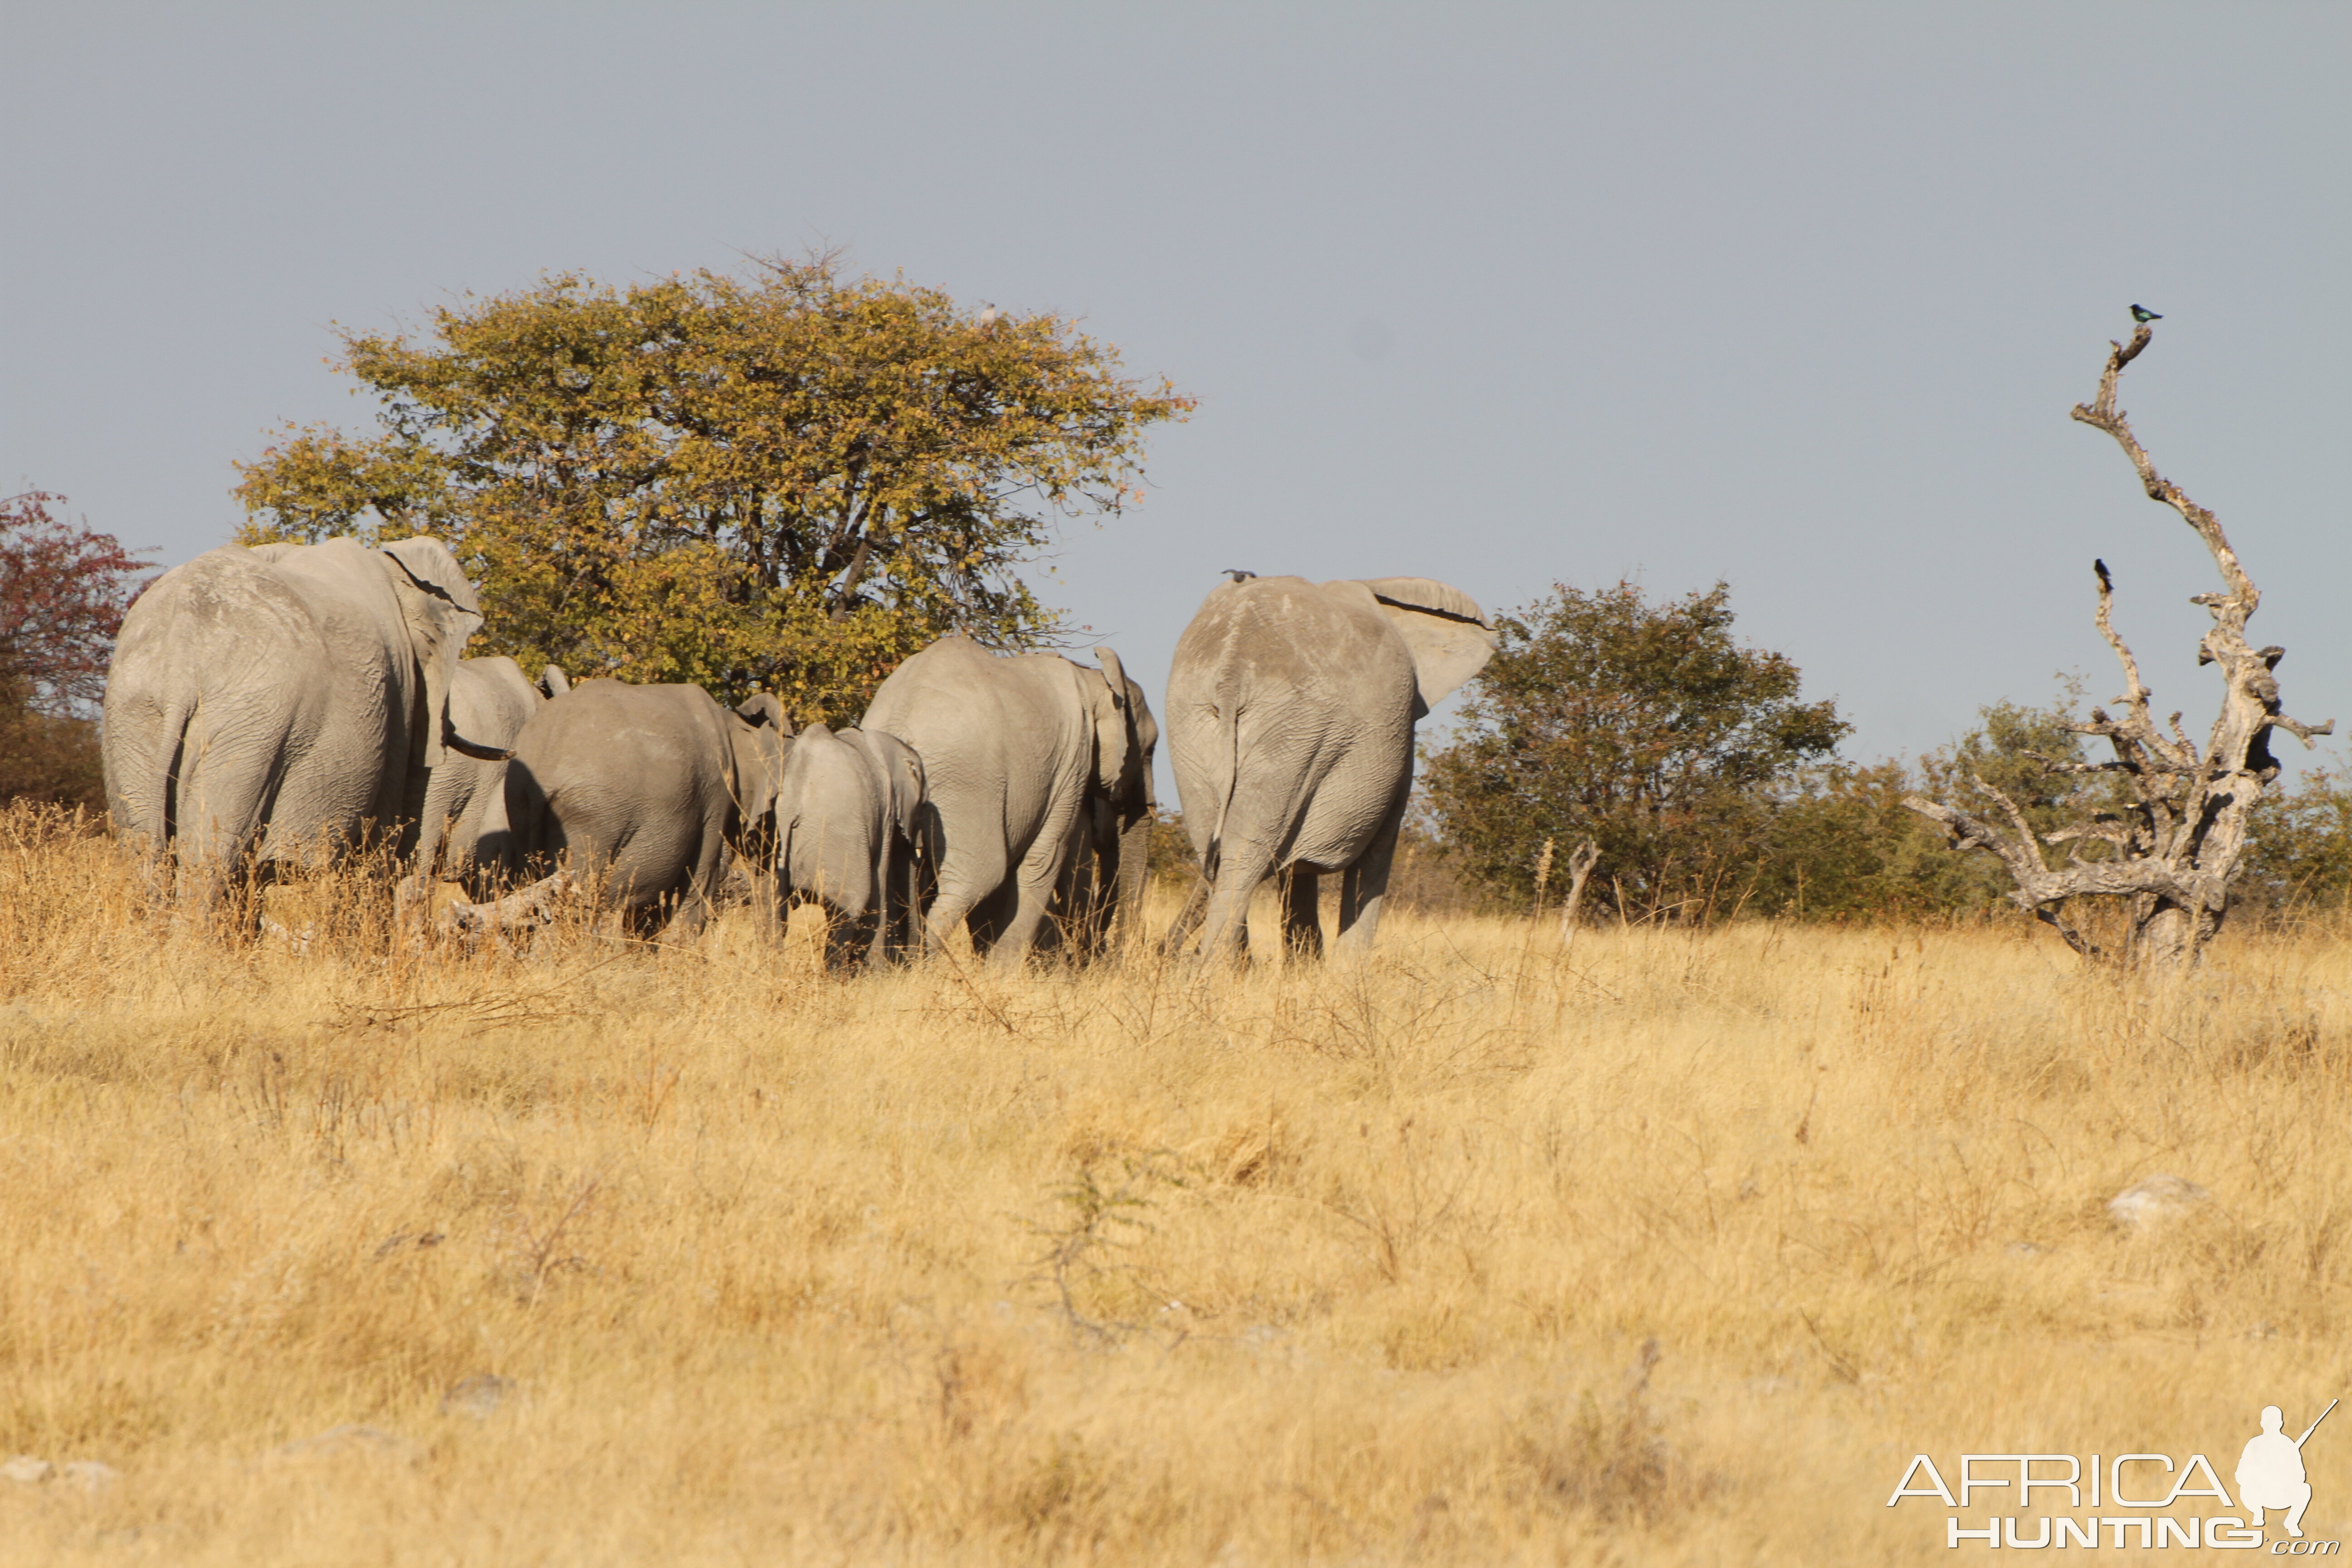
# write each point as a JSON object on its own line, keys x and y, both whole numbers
{"x": 436, "y": 670}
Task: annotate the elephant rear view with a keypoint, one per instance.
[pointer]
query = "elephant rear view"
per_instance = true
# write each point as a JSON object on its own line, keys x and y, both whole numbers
{"x": 646, "y": 789}
{"x": 1291, "y": 708}
{"x": 847, "y": 829}
{"x": 1014, "y": 751}
{"x": 266, "y": 705}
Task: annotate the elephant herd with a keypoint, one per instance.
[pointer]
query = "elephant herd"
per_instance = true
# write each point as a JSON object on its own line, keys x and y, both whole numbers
{"x": 272, "y": 707}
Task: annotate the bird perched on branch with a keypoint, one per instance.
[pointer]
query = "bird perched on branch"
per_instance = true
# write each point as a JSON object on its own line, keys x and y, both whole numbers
{"x": 2142, "y": 315}
{"x": 990, "y": 315}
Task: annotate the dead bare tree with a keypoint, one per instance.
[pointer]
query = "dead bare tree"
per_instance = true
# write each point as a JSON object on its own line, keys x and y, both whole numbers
{"x": 2174, "y": 846}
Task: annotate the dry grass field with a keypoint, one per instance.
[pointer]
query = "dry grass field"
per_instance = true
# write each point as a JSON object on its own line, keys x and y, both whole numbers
{"x": 1662, "y": 1248}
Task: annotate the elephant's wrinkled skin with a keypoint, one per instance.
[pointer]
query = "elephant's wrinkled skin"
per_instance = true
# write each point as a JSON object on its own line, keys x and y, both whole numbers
{"x": 847, "y": 820}
{"x": 1101, "y": 895}
{"x": 1014, "y": 750}
{"x": 1291, "y": 707}
{"x": 267, "y": 705}
{"x": 645, "y": 790}
{"x": 490, "y": 700}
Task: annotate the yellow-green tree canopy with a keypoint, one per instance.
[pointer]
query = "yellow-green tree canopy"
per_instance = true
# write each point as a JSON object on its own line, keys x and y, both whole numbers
{"x": 786, "y": 482}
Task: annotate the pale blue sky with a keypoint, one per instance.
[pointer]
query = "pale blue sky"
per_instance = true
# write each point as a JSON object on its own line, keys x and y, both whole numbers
{"x": 1798, "y": 296}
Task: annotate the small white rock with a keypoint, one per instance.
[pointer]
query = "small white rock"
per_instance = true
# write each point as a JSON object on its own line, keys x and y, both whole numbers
{"x": 27, "y": 1469}
{"x": 2155, "y": 1200}
{"x": 90, "y": 1475}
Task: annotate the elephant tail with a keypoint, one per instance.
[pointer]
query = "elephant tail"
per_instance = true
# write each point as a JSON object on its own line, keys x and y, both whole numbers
{"x": 786, "y": 823}
{"x": 1228, "y": 766}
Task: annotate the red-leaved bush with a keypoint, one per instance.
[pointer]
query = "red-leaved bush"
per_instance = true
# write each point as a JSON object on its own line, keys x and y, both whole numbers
{"x": 63, "y": 590}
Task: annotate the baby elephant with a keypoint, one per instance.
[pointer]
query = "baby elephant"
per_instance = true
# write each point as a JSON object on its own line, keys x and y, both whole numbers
{"x": 845, "y": 811}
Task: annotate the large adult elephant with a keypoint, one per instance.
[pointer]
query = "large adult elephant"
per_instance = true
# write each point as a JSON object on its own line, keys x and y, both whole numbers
{"x": 643, "y": 791}
{"x": 847, "y": 827}
{"x": 1015, "y": 750}
{"x": 490, "y": 700}
{"x": 271, "y": 704}
{"x": 1291, "y": 708}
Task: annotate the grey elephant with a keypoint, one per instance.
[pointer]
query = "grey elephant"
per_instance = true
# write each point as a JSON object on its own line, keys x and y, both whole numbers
{"x": 1101, "y": 894}
{"x": 847, "y": 824}
{"x": 1015, "y": 749}
{"x": 643, "y": 791}
{"x": 273, "y": 704}
{"x": 1291, "y": 708}
{"x": 490, "y": 700}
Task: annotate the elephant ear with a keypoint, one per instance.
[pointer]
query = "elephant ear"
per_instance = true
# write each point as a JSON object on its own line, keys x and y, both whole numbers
{"x": 442, "y": 611}
{"x": 1119, "y": 759}
{"x": 428, "y": 562}
{"x": 553, "y": 682}
{"x": 1449, "y": 635}
{"x": 902, "y": 760}
{"x": 759, "y": 708}
{"x": 899, "y": 771}
{"x": 1114, "y": 675}
{"x": 759, "y": 747}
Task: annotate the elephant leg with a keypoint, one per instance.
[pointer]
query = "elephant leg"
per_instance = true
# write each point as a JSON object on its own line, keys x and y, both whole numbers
{"x": 222, "y": 810}
{"x": 1179, "y": 930}
{"x": 696, "y": 903}
{"x": 990, "y": 916}
{"x": 902, "y": 907}
{"x": 1042, "y": 873}
{"x": 1241, "y": 867}
{"x": 1030, "y": 906}
{"x": 1302, "y": 923}
{"x": 849, "y": 940}
{"x": 1366, "y": 885}
{"x": 971, "y": 867}
{"x": 654, "y": 920}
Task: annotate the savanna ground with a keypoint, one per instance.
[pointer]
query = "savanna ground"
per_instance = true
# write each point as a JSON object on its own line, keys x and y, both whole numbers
{"x": 1662, "y": 1247}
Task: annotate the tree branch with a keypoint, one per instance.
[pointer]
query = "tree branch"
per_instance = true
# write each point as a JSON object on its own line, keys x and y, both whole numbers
{"x": 2103, "y": 414}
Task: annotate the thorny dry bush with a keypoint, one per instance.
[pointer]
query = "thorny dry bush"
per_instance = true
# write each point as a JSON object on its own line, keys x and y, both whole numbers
{"x": 1660, "y": 1247}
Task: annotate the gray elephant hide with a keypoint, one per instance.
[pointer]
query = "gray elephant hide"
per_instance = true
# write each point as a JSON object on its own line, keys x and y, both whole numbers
{"x": 643, "y": 792}
{"x": 272, "y": 705}
{"x": 1014, "y": 749}
{"x": 1291, "y": 708}
{"x": 1101, "y": 895}
{"x": 847, "y": 820}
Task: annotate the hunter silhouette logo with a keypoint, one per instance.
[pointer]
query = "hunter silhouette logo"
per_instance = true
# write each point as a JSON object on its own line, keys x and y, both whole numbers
{"x": 2130, "y": 1498}
{"x": 2270, "y": 1472}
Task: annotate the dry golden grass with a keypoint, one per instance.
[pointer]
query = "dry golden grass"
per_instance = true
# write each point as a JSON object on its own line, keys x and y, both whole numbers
{"x": 1348, "y": 1262}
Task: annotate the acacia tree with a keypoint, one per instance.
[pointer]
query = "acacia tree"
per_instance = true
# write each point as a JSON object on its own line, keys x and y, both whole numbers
{"x": 2174, "y": 839}
{"x": 63, "y": 589}
{"x": 789, "y": 481}
{"x": 1645, "y": 728}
